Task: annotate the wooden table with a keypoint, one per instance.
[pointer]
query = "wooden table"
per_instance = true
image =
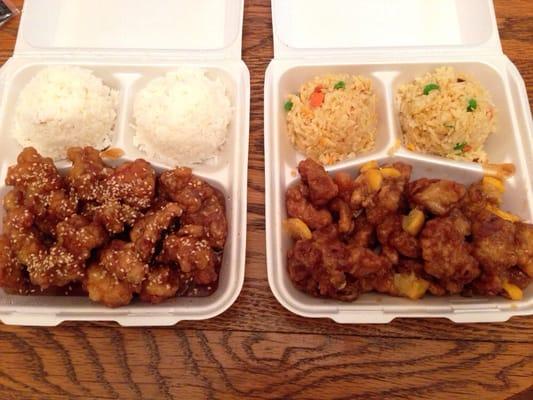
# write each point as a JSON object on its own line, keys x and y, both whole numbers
{"x": 257, "y": 349}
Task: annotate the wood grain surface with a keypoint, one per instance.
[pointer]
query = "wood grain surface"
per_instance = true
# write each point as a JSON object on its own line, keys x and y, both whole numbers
{"x": 257, "y": 349}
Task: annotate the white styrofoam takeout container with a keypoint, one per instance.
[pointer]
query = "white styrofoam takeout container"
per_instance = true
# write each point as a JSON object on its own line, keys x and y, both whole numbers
{"x": 127, "y": 43}
{"x": 392, "y": 42}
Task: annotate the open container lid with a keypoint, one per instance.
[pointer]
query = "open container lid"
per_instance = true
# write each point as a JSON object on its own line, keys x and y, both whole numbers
{"x": 196, "y": 29}
{"x": 311, "y": 28}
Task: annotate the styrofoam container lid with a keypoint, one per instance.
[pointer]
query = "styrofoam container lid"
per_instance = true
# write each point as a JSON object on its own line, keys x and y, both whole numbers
{"x": 208, "y": 28}
{"x": 305, "y": 28}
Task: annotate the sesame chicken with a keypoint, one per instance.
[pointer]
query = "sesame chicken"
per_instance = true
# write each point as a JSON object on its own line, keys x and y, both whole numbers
{"x": 148, "y": 230}
{"x": 102, "y": 231}
{"x": 194, "y": 257}
{"x": 161, "y": 283}
{"x": 121, "y": 260}
{"x": 104, "y": 287}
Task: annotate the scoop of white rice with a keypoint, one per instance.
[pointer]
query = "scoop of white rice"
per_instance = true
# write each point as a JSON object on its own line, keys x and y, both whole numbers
{"x": 65, "y": 106}
{"x": 182, "y": 117}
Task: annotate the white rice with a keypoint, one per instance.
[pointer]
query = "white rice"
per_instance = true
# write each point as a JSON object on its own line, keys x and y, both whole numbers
{"x": 65, "y": 106}
{"x": 182, "y": 117}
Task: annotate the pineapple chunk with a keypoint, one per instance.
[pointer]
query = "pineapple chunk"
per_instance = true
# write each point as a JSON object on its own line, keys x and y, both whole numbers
{"x": 502, "y": 214}
{"x": 409, "y": 285}
{"x": 297, "y": 228}
{"x": 369, "y": 165}
{"x": 374, "y": 179}
{"x": 390, "y": 172}
{"x": 413, "y": 222}
{"x": 513, "y": 291}
{"x": 490, "y": 181}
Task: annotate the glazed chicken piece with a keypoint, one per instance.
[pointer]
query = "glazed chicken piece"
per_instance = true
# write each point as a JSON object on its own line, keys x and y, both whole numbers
{"x": 391, "y": 235}
{"x": 299, "y": 206}
{"x": 194, "y": 257}
{"x": 13, "y": 278}
{"x": 362, "y": 195}
{"x": 386, "y": 202}
{"x": 113, "y": 215}
{"x": 324, "y": 266}
{"x": 104, "y": 287}
{"x": 475, "y": 201}
{"x": 161, "y": 283}
{"x": 321, "y": 187}
{"x": 65, "y": 261}
{"x": 487, "y": 284}
{"x": 345, "y": 184}
{"x": 25, "y": 240}
{"x": 325, "y": 261}
{"x": 114, "y": 198}
{"x": 461, "y": 223}
{"x": 365, "y": 262}
{"x": 147, "y": 232}
{"x": 201, "y": 203}
{"x": 79, "y": 236}
{"x": 447, "y": 256}
{"x": 132, "y": 183}
{"x": 87, "y": 173}
{"x": 35, "y": 176}
{"x": 194, "y": 231}
{"x": 13, "y": 199}
{"x": 363, "y": 234}
{"x": 120, "y": 259}
{"x": 524, "y": 247}
{"x": 211, "y": 216}
{"x": 42, "y": 189}
{"x": 182, "y": 187}
{"x": 494, "y": 242}
{"x": 407, "y": 265}
{"x": 345, "y": 221}
{"x": 389, "y": 199}
{"x": 56, "y": 267}
{"x": 117, "y": 276}
{"x": 60, "y": 206}
{"x": 313, "y": 274}
{"x": 437, "y": 196}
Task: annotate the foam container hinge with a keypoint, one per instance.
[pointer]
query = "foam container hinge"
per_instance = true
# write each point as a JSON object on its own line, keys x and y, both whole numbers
{"x": 128, "y": 71}
{"x": 297, "y": 61}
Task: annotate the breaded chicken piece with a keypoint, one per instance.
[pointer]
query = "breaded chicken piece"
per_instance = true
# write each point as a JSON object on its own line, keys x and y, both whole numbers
{"x": 299, "y": 206}
{"x": 147, "y": 232}
{"x": 321, "y": 187}
{"x": 494, "y": 242}
{"x": 447, "y": 256}
{"x": 120, "y": 259}
{"x": 437, "y": 196}
{"x": 161, "y": 284}
{"x": 104, "y": 287}
{"x": 194, "y": 257}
